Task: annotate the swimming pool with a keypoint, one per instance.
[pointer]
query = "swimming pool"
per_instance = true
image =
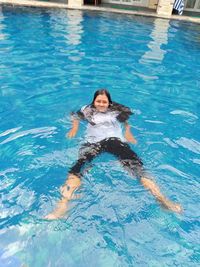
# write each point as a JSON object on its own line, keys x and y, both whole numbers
{"x": 51, "y": 63}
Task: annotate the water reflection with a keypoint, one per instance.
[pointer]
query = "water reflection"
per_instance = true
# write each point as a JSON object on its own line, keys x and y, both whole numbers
{"x": 67, "y": 29}
{"x": 159, "y": 37}
{"x": 2, "y": 26}
{"x": 69, "y": 24}
{"x": 75, "y": 27}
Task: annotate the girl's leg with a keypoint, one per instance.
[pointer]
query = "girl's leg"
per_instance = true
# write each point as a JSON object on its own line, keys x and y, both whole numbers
{"x": 155, "y": 191}
{"x": 72, "y": 184}
{"x": 133, "y": 163}
{"x": 128, "y": 158}
{"x": 73, "y": 180}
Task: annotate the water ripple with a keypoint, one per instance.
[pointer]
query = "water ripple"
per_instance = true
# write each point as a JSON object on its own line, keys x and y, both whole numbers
{"x": 190, "y": 144}
{"x": 184, "y": 113}
{"x": 41, "y": 132}
{"x": 7, "y": 132}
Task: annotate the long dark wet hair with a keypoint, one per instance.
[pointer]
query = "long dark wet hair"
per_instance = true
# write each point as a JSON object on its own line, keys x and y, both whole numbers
{"x": 102, "y": 92}
{"x": 89, "y": 110}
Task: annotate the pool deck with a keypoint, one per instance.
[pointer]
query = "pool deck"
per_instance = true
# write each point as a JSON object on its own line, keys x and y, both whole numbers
{"x": 100, "y": 8}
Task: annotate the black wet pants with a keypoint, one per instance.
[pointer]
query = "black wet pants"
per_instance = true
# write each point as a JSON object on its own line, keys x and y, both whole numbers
{"x": 114, "y": 146}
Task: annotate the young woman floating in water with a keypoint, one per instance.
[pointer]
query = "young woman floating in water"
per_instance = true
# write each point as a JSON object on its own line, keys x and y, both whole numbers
{"x": 104, "y": 134}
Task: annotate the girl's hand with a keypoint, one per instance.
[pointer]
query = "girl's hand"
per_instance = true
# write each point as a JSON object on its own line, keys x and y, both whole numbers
{"x": 128, "y": 135}
{"x": 130, "y": 138}
{"x": 71, "y": 133}
{"x": 74, "y": 129}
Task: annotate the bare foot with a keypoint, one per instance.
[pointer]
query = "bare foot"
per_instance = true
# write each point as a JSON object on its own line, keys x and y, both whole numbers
{"x": 173, "y": 206}
{"x": 59, "y": 211}
{"x": 51, "y": 216}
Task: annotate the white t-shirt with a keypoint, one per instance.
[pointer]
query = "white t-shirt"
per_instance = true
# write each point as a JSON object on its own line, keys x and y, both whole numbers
{"x": 106, "y": 126}
{"x": 102, "y": 125}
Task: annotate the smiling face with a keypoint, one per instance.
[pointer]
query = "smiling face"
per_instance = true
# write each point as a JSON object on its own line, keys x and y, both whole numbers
{"x": 101, "y": 103}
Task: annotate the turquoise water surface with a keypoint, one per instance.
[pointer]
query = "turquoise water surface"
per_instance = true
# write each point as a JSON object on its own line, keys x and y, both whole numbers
{"x": 51, "y": 63}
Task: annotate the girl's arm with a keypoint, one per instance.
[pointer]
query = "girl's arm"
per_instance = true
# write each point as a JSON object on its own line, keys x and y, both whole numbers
{"x": 128, "y": 135}
{"x": 75, "y": 125}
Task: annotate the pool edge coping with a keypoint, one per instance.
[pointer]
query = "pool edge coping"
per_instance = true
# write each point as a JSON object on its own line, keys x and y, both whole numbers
{"x": 42, "y": 4}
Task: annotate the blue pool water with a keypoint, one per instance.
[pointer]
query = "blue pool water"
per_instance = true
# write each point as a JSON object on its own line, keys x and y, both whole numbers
{"x": 51, "y": 62}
